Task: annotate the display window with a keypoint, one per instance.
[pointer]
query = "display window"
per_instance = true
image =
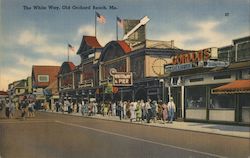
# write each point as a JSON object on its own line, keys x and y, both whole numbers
{"x": 196, "y": 97}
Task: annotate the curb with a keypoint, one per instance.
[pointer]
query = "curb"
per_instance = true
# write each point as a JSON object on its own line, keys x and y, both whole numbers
{"x": 153, "y": 125}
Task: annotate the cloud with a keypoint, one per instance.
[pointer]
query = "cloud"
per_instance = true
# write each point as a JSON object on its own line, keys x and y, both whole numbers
{"x": 22, "y": 69}
{"x": 11, "y": 75}
{"x": 28, "y": 62}
{"x": 204, "y": 36}
{"x": 40, "y": 43}
{"x": 31, "y": 38}
{"x": 87, "y": 30}
{"x": 102, "y": 36}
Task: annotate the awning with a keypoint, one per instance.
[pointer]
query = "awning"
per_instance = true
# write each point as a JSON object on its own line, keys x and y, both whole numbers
{"x": 238, "y": 86}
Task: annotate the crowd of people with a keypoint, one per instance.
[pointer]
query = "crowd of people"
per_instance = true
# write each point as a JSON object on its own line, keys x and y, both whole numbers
{"x": 138, "y": 111}
{"x": 25, "y": 108}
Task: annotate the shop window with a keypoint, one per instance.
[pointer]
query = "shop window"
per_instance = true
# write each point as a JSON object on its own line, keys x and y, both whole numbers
{"x": 196, "y": 80}
{"x": 219, "y": 77}
{"x": 222, "y": 101}
{"x": 244, "y": 100}
{"x": 196, "y": 97}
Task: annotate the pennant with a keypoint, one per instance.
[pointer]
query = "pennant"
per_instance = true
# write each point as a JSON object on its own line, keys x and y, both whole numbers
{"x": 120, "y": 22}
{"x": 71, "y": 47}
{"x": 100, "y": 18}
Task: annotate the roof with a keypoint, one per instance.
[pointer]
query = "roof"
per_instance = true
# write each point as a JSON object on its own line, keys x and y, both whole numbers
{"x": 3, "y": 93}
{"x": 241, "y": 64}
{"x": 92, "y": 41}
{"x": 66, "y": 67}
{"x": 71, "y": 65}
{"x": 237, "y": 86}
{"x": 52, "y": 71}
{"x": 124, "y": 46}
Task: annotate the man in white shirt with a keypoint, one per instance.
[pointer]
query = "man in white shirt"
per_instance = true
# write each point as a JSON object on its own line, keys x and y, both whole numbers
{"x": 171, "y": 109}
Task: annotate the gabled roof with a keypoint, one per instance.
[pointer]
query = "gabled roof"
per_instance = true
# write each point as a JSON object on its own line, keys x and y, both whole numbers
{"x": 66, "y": 67}
{"x": 3, "y": 93}
{"x": 88, "y": 43}
{"x": 92, "y": 41}
{"x": 52, "y": 71}
{"x": 124, "y": 46}
{"x": 114, "y": 49}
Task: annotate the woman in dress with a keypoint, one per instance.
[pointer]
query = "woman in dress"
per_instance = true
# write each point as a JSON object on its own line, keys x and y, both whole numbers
{"x": 164, "y": 112}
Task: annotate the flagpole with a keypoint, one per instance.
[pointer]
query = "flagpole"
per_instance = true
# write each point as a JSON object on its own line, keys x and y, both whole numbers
{"x": 116, "y": 29}
{"x": 68, "y": 52}
{"x": 95, "y": 24}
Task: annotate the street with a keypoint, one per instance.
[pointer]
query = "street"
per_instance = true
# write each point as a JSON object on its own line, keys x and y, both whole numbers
{"x": 56, "y": 135}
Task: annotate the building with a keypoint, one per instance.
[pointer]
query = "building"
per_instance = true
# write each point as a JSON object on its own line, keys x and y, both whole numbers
{"x": 18, "y": 89}
{"x": 3, "y": 97}
{"x": 214, "y": 85}
{"x": 42, "y": 77}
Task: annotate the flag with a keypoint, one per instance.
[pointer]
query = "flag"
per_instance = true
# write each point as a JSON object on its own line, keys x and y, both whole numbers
{"x": 120, "y": 22}
{"x": 71, "y": 47}
{"x": 100, "y": 18}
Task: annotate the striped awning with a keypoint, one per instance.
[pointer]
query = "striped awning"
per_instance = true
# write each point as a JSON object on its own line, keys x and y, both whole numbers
{"x": 237, "y": 86}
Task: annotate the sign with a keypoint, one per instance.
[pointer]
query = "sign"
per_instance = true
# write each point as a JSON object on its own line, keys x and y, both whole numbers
{"x": 216, "y": 64}
{"x": 202, "y": 55}
{"x": 181, "y": 67}
{"x": 188, "y": 66}
{"x": 121, "y": 78}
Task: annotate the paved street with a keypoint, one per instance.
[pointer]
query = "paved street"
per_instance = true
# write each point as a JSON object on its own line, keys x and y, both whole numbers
{"x": 56, "y": 135}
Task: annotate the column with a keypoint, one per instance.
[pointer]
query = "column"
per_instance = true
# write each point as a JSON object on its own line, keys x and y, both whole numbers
{"x": 182, "y": 101}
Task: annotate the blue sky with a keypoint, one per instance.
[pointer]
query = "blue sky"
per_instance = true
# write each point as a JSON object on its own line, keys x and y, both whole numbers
{"x": 40, "y": 37}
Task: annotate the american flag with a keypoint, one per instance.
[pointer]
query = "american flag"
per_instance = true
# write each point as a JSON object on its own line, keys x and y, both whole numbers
{"x": 100, "y": 18}
{"x": 71, "y": 47}
{"x": 119, "y": 22}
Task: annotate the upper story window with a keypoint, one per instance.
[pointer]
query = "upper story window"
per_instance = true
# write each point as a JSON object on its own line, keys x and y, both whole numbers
{"x": 43, "y": 78}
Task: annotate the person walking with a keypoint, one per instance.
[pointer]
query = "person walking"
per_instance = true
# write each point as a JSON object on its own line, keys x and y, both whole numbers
{"x": 132, "y": 111}
{"x": 164, "y": 112}
{"x": 171, "y": 109}
{"x": 154, "y": 111}
{"x": 7, "y": 109}
{"x": 119, "y": 110}
{"x": 143, "y": 109}
{"x": 148, "y": 110}
{"x": 138, "y": 111}
{"x": 125, "y": 110}
{"x": 24, "y": 106}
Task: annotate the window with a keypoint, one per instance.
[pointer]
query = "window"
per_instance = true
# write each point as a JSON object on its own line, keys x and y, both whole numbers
{"x": 244, "y": 100}
{"x": 196, "y": 97}
{"x": 222, "y": 101}
{"x": 196, "y": 80}
{"x": 224, "y": 76}
{"x": 43, "y": 78}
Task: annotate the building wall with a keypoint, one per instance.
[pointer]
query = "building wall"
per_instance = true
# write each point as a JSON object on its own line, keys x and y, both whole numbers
{"x": 154, "y": 66}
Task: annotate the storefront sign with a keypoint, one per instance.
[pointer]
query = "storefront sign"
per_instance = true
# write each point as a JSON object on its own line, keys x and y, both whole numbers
{"x": 182, "y": 67}
{"x": 202, "y": 55}
{"x": 121, "y": 78}
{"x": 216, "y": 64}
{"x": 188, "y": 66}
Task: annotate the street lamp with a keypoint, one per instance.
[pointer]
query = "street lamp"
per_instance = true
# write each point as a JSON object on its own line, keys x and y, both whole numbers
{"x": 162, "y": 81}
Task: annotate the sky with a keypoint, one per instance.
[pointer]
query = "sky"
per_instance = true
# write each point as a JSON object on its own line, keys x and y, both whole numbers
{"x": 40, "y": 37}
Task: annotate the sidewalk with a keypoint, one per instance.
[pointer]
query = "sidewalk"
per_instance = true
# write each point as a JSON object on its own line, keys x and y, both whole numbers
{"x": 227, "y": 130}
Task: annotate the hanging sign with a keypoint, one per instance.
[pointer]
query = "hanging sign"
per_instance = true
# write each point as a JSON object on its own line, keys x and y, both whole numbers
{"x": 121, "y": 78}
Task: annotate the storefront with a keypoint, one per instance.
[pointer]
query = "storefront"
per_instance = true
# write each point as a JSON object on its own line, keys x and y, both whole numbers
{"x": 200, "y": 94}
{"x": 237, "y": 92}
